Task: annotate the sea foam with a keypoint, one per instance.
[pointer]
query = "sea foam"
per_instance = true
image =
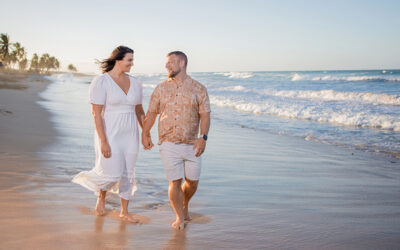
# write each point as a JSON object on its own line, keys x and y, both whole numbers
{"x": 311, "y": 77}
{"x": 238, "y": 75}
{"x": 346, "y": 117}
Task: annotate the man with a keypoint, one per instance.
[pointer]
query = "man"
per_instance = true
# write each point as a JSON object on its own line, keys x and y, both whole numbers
{"x": 183, "y": 105}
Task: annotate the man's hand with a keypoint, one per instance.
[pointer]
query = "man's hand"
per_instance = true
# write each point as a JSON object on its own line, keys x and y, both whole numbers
{"x": 200, "y": 144}
{"x": 146, "y": 141}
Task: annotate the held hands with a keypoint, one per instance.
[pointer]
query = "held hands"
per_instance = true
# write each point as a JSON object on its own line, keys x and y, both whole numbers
{"x": 105, "y": 149}
{"x": 200, "y": 144}
{"x": 146, "y": 141}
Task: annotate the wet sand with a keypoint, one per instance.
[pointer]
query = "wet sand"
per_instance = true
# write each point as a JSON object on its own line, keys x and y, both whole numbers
{"x": 24, "y": 129}
{"x": 257, "y": 190}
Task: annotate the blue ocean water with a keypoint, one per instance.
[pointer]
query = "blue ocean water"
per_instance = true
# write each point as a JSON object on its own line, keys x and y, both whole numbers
{"x": 355, "y": 109}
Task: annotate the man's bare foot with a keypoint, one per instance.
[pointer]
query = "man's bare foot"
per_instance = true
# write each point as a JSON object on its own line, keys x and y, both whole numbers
{"x": 186, "y": 213}
{"x": 100, "y": 209}
{"x": 128, "y": 218}
{"x": 178, "y": 225}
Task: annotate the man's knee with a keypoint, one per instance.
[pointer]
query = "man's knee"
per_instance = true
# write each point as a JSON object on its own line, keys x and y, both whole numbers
{"x": 175, "y": 183}
{"x": 192, "y": 183}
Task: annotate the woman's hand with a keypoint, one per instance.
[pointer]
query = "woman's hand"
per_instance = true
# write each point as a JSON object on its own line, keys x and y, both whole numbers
{"x": 105, "y": 149}
{"x": 146, "y": 141}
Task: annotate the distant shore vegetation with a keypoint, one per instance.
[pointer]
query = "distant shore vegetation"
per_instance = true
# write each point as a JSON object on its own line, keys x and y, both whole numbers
{"x": 13, "y": 57}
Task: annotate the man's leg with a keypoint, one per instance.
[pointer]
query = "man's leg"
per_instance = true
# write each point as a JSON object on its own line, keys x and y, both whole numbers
{"x": 188, "y": 188}
{"x": 176, "y": 198}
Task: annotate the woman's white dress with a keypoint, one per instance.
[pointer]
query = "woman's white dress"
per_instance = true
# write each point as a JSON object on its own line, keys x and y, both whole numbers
{"x": 117, "y": 173}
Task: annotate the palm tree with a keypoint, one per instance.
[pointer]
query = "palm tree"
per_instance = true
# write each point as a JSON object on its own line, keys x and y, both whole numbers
{"x": 57, "y": 64}
{"x": 51, "y": 63}
{"x": 12, "y": 58}
{"x": 44, "y": 62}
{"x": 20, "y": 51}
{"x": 19, "y": 55}
{"x": 35, "y": 63}
{"x": 4, "y": 48}
{"x": 72, "y": 68}
{"x": 22, "y": 64}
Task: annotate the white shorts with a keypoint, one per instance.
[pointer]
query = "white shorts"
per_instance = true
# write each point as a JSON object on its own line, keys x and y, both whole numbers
{"x": 179, "y": 161}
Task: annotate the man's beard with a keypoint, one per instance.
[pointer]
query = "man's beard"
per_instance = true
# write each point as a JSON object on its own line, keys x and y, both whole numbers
{"x": 172, "y": 74}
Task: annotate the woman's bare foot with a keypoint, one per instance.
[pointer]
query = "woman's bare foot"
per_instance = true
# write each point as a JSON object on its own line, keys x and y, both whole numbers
{"x": 100, "y": 209}
{"x": 178, "y": 225}
{"x": 128, "y": 218}
{"x": 186, "y": 213}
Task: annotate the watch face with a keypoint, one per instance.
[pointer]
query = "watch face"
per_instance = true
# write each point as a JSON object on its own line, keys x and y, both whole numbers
{"x": 205, "y": 137}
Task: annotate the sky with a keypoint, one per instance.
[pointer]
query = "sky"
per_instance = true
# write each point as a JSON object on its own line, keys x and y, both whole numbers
{"x": 216, "y": 35}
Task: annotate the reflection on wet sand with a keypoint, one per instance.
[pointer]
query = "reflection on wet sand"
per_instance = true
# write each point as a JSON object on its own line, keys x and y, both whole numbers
{"x": 98, "y": 224}
{"x": 114, "y": 214}
{"x": 118, "y": 238}
{"x": 178, "y": 239}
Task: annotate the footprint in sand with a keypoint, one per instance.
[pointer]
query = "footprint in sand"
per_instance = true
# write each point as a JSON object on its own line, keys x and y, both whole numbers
{"x": 197, "y": 219}
{"x": 5, "y": 112}
{"x": 114, "y": 214}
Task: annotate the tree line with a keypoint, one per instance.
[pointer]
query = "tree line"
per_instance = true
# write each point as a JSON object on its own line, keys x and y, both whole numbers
{"x": 13, "y": 55}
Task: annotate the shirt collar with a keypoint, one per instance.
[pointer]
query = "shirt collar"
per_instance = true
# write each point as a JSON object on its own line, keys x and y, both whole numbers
{"x": 186, "y": 80}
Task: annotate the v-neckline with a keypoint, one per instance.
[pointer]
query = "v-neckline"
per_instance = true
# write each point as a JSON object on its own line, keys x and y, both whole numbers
{"x": 126, "y": 94}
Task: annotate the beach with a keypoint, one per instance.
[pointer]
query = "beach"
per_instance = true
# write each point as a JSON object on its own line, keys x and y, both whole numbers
{"x": 24, "y": 129}
{"x": 260, "y": 188}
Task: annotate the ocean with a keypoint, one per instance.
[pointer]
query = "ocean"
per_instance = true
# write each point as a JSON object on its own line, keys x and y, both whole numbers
{"x": 353, "y": 109}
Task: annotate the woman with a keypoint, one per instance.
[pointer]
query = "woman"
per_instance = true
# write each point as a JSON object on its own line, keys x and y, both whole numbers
{"x": 116, "y": 99}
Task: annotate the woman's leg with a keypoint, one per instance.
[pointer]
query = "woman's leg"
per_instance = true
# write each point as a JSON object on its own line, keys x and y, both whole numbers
{"x": 125, "y": 190}
{"x": 101, "y": 203}
{"x": 124, "y": 212}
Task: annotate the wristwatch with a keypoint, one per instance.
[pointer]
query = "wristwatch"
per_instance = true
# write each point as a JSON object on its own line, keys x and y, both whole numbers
{"x": 204, "y": 137}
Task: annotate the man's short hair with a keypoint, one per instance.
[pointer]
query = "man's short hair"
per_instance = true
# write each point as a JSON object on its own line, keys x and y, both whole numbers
{"x": 181, "y": 56}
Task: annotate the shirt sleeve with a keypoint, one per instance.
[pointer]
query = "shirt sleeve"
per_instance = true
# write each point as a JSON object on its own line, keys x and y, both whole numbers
{"x": 97, "y": 92}
{"x": 154, "y": 106}
{"x": 204, "y": 101}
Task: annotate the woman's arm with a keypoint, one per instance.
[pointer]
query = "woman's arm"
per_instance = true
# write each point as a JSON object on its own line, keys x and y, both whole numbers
{"x": 98, "y": 123}
{"x": 140, "y": 114}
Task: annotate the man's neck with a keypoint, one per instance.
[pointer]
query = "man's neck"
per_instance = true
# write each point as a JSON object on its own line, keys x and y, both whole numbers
{"x": 179, "y": 78}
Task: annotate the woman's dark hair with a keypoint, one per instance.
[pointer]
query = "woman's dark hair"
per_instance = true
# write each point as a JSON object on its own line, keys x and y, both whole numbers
{"x": 117, "y": 54}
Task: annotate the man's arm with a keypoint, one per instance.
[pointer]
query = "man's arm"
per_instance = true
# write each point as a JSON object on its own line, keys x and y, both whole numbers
{"x": 204, "y": 123}
{"x": 200, "y": 144}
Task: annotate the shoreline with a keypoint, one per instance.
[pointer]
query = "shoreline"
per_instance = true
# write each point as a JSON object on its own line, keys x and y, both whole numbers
{"x": 24, "y": 125}
{"x": 25, "y": 129}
